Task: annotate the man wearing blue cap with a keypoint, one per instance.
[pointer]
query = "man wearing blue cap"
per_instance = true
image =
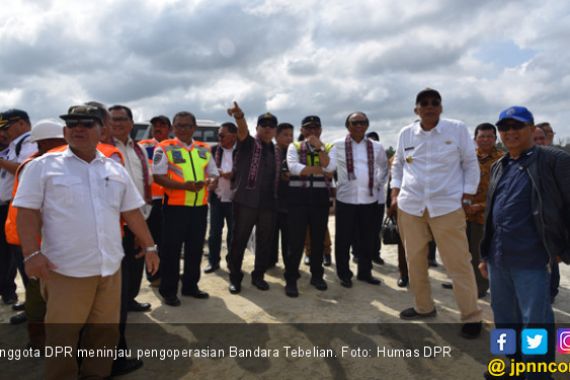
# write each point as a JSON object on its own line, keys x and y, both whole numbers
{"x": 525, "y": 230}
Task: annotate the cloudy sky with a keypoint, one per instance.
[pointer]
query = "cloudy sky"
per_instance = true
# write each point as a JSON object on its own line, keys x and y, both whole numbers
{"x": 293, "y": 58}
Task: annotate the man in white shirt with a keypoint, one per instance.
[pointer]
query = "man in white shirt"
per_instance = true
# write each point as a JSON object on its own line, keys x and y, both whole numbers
{"x": 15, "y": 125}
{"x": 73, "y": 202}
{"x": 136, "y": 164}
{"x": 221, "y": 194}
{"x": 435, "y": 171}
{"x": 362, "y": 169}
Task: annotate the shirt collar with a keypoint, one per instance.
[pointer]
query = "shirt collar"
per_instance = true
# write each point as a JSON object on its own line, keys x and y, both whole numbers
{"x": 187, "y": 146}
{"x": 418, "y": 128}
{"x": 15, "y": 142}
{"x": 69, "y": 153}
{"x": 523, "y": 157}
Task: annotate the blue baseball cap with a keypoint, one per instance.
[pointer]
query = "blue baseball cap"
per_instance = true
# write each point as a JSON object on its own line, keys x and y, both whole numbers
{"x": 517, "y": 113}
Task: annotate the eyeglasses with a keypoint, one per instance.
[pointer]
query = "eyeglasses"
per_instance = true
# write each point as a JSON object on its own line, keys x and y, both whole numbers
{"x": 505, "y": 127}
{"x": 356, "y": 123}
{"x": 184, "y": 126}
{"x": 426, "y": 103}
{"x": 221, "y": 136}
{"x": 87, "y": 123}
{"x": 267, "y": 124}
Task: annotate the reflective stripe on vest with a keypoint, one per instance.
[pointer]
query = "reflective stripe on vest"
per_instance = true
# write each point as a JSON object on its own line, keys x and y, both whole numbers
{"x": 317, "y": 181}
{"x": 186, "y": 165}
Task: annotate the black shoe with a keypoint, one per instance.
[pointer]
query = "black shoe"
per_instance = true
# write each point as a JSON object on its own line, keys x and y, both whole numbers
{"x": 211, "y": 268}
{"x": 327, "y": 260}
{"x": 471, "y": 330}
{"x": 172, "y": 301}
{"x": 260, "y": 283}
{"x": 482, "y": 294}
{"x": 307, "y": 260}
{"x": 319, "y": 284}
{"x": 10, "y": 300}
{"x": 18, "y": 319}
{"x": 123, "y": 366}
{"x": 411, "y": 313}
{"x": 291, "y": 289}
{"x": 403, "y": 281}
{"x": 447, "y": 285}
{"x": 370, "y": 279}
{"x": 19, "y": 306}
{"x": 138, "y": 306}
{"x": 433, "y": 263}
{"x": 197, "y": 293}
{"x": 235, "y": 288}
{"x": 346, "y": 282}
{"x": 378, "y": 260}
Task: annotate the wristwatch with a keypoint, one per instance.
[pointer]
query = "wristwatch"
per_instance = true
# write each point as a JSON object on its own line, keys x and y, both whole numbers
{"x": 152, "y": 248}
{"x": 467, "y": 202}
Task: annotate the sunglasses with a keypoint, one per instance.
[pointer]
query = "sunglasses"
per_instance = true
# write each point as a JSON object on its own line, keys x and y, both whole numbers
{"x": 356, "y": 123}
{"x": 267, "y": 124}
{"x": 426, "y": 103}
{"x": 505, "y": 127}
{"x": 87, "y": 123}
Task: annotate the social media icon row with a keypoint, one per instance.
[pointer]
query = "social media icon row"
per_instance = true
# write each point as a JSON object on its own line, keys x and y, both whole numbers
{"x": 533, "y": 341}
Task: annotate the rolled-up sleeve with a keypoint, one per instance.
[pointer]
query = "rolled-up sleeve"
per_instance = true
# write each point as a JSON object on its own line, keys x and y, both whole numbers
{"x": 211, "y": 169}
{"x": 131, "y": 198}
{"x": 293, "y": 163}
{"x": 469, "y": 163}
{"x": 397, "y": 169}
{"x": 30, "y": 193}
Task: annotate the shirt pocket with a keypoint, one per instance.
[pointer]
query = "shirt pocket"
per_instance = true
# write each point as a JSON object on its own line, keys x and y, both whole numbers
{"x": 113, "y": 189}
{"x": 448, "y": 153}
{"x": 68, "y": 190}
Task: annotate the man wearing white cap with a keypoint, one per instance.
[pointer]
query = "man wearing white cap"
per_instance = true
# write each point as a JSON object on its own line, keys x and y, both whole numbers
{"x": 47, "y": 134}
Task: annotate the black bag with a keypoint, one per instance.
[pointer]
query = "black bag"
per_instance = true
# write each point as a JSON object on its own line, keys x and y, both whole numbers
{"x": 390, "y": 233}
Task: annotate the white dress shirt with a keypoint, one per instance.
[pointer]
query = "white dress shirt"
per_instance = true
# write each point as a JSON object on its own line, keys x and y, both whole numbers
{"x": 6, "y": 178}
{"x": 160, "y": 162}
{"x": 433, "y": 169}
{"x": 356, "y": 191}
{"x": 135, "y": 168}
{"x": 224, "y": 189}
{"x": 80, "y": 204}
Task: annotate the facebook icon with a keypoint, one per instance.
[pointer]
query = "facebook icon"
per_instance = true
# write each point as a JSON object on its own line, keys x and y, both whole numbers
{"x": 503, "y": 342}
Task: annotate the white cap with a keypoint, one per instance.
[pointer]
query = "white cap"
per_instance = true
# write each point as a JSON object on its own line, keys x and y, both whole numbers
{"x": 46, "y": 129}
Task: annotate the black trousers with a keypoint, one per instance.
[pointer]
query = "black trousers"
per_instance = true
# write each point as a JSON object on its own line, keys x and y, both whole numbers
{"x": 281, "y": 228}
{"x": 7, "y": 260}
{"x": 245, "y": 218}
{"x": 349, "y": 219}
{"x": 300, "y": 217}
{"x": 182, "y": 225}
{"x": 154, "y": 223}
{"x": 219, "y": 212}
{"x": 378, "y": 219}
{"x": 131, "y": 267}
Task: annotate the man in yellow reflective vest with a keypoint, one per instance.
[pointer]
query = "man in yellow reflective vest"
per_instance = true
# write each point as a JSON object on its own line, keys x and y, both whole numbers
{"x": 184, "y": 167}
{"x": 308, "y": 201}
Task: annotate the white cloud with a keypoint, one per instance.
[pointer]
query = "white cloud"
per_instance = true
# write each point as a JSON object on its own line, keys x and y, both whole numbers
{"x": 293, "y": 58}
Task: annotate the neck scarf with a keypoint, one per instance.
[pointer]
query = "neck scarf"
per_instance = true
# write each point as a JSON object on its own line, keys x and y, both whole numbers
{"x": 350, "y": 162}
{"x": 146, "y": 178}
{"x": 255, "y": 163}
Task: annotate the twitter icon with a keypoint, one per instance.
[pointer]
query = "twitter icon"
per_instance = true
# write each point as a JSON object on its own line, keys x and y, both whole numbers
{"x": 534, "y": 342}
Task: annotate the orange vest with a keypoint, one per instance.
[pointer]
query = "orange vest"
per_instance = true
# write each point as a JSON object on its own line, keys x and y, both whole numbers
{"x": 111, "y": 151}
{"x": 186, "y": 164}
{"x": 149, "y": 146}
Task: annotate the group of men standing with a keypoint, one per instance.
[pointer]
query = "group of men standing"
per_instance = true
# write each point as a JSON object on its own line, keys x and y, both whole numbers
{"x": 443, "y": 189}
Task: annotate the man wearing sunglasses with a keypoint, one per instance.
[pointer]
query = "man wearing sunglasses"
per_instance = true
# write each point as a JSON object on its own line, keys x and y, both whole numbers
{"x": 362, "y": 169}
{"x": 15, "y": 125}
{"x": 527, "y": 227}
{"x": 256, "y": 181}
{"x": 73, "y": 200}
{"x": 434, "y": 173}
